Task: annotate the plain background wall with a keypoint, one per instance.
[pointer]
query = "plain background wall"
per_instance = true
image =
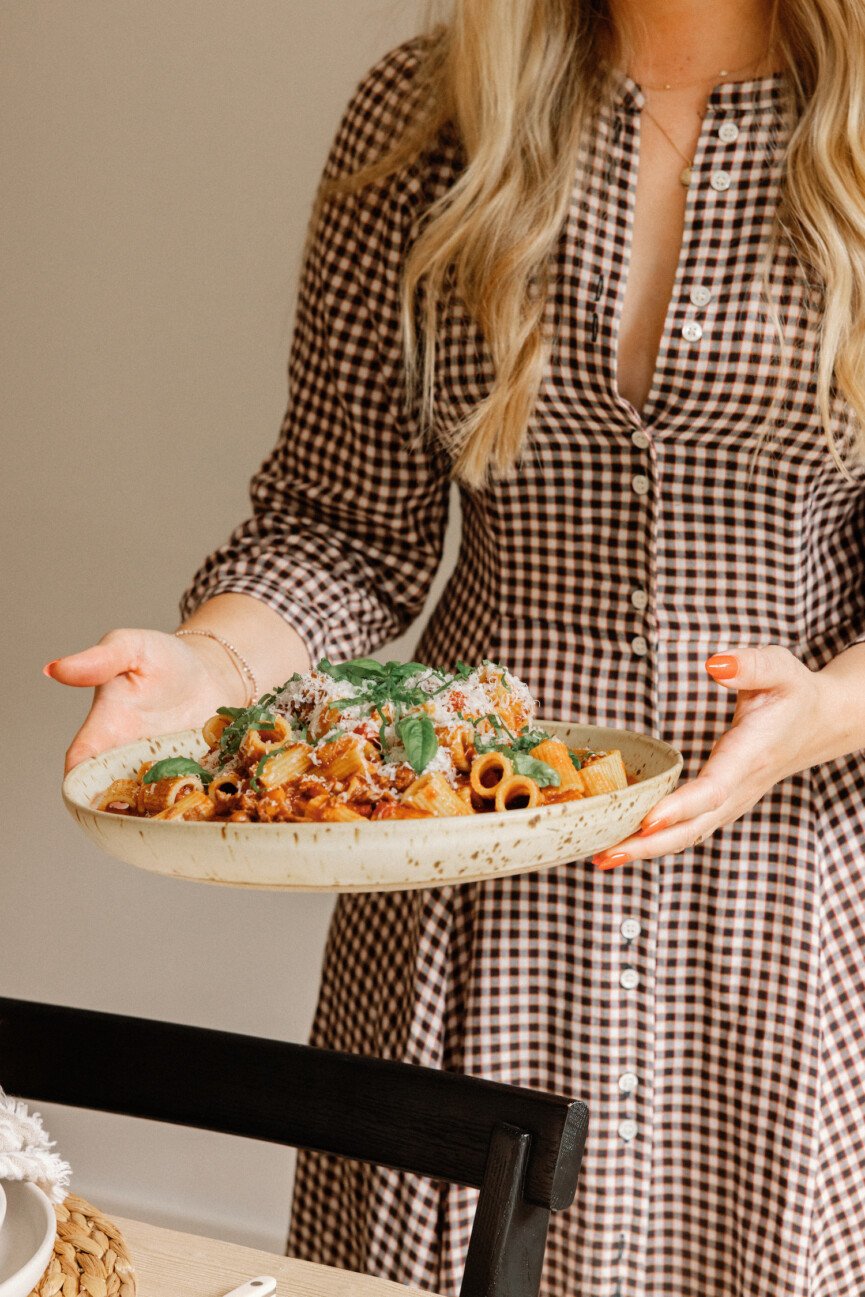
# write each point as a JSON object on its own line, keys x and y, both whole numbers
{"x": 157, "y": 164}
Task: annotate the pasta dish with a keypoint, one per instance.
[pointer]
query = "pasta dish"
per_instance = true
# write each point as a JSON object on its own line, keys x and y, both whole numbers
{"x": 366, "y": 740}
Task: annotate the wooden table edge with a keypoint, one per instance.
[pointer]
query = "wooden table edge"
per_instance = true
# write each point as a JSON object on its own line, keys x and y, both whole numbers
{"x": 169, "y": 1263}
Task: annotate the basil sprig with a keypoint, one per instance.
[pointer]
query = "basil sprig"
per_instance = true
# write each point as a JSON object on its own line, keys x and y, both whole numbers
{"x": 418, "y": 737}
{"x": 262, "y": 762}
{"x": 172, "y": 767}
{"x": 364, "y": 671}
{"x": 332, "y": 735}
{"x": 386, "y": 685}
{"x": 256, "y": 717}
{"x": 544, "y": 775}
{"x": 518, "y": 750}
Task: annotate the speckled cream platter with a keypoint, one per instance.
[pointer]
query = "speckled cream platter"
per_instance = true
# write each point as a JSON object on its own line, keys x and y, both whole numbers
{"x": 380, "y": 856}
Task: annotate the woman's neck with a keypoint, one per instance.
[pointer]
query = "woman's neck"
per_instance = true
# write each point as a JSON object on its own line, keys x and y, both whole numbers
{"x": 679, "y": 41}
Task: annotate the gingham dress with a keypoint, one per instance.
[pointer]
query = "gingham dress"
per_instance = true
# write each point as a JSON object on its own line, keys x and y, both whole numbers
{"x": 708, "y": 1006}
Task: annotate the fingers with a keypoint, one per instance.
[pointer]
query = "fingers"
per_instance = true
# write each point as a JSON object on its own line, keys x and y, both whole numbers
{"x": 116, "y": 654}
{"x": 679, "y": 837}
{"x": 708, "y": 792}
{"x": 769, "y": 666}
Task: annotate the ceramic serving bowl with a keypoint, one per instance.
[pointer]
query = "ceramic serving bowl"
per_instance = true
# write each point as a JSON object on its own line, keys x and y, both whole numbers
{"x": 26, "y": 1239}
{"x": 386, "y": 855}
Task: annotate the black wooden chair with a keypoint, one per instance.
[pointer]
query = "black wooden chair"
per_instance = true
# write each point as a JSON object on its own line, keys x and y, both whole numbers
{"x": 521, "y": 1148}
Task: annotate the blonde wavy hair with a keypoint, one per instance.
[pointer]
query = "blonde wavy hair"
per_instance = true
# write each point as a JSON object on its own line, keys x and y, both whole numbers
{"x": 519, "y": 81}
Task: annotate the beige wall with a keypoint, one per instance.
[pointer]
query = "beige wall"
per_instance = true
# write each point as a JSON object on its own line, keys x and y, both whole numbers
{"x": 158, "y": 161}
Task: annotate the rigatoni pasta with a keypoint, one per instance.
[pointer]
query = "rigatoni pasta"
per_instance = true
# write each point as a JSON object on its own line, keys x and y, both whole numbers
{"x": 366, "y": 740}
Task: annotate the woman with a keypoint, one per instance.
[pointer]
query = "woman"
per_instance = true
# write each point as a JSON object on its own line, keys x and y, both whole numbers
{"x": 611, "y": 276}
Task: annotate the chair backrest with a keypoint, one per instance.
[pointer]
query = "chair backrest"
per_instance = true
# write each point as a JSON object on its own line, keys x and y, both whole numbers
{"x": 522, "y": 1148}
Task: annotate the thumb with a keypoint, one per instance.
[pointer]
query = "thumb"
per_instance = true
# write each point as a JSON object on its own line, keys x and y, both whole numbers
{"x": 96, "y": 665}
{"x": 769, "y": 666}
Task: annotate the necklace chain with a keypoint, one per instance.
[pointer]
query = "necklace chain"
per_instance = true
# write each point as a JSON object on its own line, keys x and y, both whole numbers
{"x": 685, "y": 174}
{"x": 722, "y": 75}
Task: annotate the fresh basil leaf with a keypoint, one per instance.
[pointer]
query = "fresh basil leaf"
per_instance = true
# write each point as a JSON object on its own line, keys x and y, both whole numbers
{"x": 418, "y": 737}
{"x": 463, "y": 670}
{"x": 171, "y": 767}
{"x": 402, "y": 670}
{"x": 333, "y": 735}
{"x": 529, "y": 739}
{"x": 490, "y": 745}
{"x": 231, "y": 712}
{"x": 357, "y": 672}
{"x": 254, "y": 717}
{"x": 576, "y": 761}
{"x": 262, "y": 762}
{"x": 544, "y": 776}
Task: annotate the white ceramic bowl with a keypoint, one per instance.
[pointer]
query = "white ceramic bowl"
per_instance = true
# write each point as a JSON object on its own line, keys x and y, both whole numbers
{"x": 26, "y": 1239}
{"x": 2, "y": 1204}
{"x": 386, "y": 855}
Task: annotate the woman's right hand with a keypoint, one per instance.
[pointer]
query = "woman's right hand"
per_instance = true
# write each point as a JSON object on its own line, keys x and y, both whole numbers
{"x": 146, "y": 683}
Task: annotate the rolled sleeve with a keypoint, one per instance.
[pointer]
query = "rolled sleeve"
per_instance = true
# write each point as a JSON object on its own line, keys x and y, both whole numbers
{"x": 350, "y": 508}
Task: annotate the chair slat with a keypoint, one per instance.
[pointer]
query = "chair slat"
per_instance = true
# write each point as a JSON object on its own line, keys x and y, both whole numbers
{"x": 431, "y": 1122}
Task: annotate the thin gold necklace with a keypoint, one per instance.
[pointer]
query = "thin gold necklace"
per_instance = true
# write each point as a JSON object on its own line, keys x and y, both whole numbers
{"x": 722, "y": 75}
{"x": 686, "y": 175}
{"x": 687, "y": 172}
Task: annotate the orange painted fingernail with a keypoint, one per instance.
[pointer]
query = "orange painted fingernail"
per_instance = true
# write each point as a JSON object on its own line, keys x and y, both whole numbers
{"x": 653, "y": 825}
{"x": 609, "y": 860}
{"x": 723, "y": 666}
{"x": 47, "y": 670}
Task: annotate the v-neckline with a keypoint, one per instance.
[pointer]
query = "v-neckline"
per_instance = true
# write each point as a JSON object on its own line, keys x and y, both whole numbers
{"x": 623, "y": 279}
{"x": 729, "y": 95}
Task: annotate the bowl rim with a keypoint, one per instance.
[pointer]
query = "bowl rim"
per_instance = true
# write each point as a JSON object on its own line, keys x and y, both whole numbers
{"x": 674, "y": 760}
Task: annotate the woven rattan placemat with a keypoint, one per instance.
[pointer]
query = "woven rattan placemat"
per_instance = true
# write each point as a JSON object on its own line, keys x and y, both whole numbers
{"x": 90, "y": 1257}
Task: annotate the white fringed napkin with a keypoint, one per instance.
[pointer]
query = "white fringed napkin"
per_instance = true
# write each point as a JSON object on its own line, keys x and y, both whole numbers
{"x": 25, "y": 1150}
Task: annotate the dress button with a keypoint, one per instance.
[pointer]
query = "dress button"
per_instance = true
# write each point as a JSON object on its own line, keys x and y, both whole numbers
{"x": 630, "y": 979}
{"x": 631, "y": 928}
{"x": 692, "y": 331}
{"x": 640, "y": 440}
{"x": 728, "y": 132}
{"x": 700, "y": 295}
{"x": 628, "y": 1082}
{"x": 640, "y": 646}
{"x": 639, "y": 599}
{"x": 640, "y": 483}
{"x": 628, "y": 1129}
{"x": 720, "y": 180}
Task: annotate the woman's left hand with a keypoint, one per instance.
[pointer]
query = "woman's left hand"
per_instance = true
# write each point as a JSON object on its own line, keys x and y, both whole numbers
{"x": 781, "y": 713}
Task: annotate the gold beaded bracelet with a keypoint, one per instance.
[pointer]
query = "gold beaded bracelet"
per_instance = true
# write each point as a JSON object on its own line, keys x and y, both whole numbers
{"x": 244, "y": 670}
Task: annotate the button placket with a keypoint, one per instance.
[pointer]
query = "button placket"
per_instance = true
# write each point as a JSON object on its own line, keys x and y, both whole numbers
{"x": 641, "y": 486}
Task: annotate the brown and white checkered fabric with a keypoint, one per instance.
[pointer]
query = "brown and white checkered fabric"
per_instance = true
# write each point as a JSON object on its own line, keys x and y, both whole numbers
{"x": 709, "y": 1007}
